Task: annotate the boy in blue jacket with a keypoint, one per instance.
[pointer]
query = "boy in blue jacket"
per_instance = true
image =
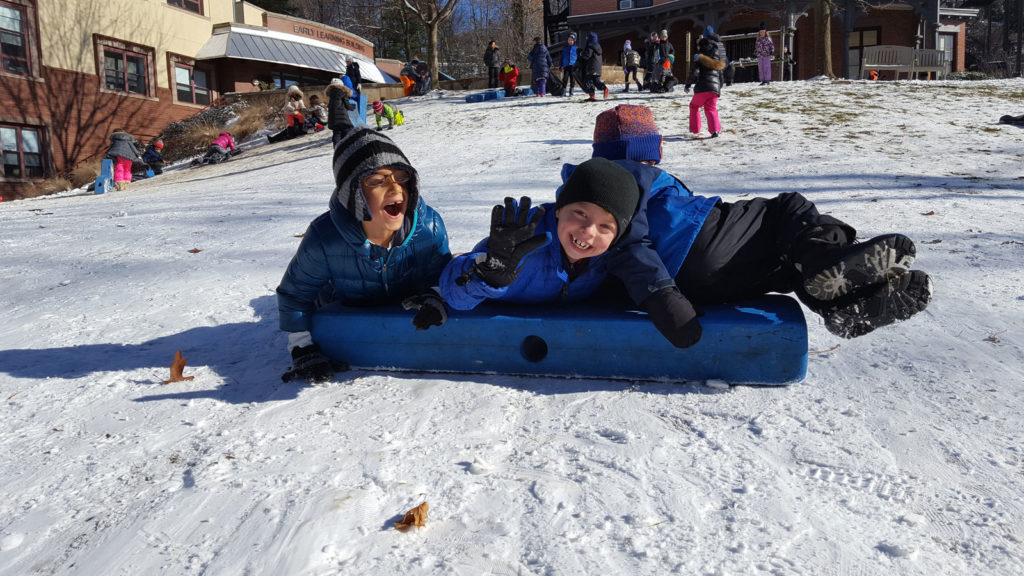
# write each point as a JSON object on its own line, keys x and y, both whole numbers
{"x": 569, "y": 56}
{"x": 379, "y": 243}
{"x": 670, "y": 249}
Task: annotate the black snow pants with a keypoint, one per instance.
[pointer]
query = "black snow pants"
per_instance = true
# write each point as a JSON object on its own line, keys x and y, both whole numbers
{"x": 752, "y": 247}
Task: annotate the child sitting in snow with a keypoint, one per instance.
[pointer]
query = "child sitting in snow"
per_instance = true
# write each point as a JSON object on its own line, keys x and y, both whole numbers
{"x": 617, "y": 215}
{"x": 154, "y": 156}
{"x": 378, "y": 243}
{"x": 509, "y": 76}
{"x": 316, "y": 114}
{"x": 393, "y": 115}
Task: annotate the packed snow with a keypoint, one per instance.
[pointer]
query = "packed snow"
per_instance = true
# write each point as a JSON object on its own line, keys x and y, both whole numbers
{"x": 902, "y": 452}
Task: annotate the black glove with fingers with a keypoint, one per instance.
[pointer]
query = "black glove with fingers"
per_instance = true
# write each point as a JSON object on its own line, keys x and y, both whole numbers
{"x": 430, "y": 308}
{"x": 673, "y": 316}
{"x": 512, "y": 239}
{"x": 309, "y": 363}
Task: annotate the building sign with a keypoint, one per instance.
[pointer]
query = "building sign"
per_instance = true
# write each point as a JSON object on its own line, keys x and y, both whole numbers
{"x": 314, "y": 31}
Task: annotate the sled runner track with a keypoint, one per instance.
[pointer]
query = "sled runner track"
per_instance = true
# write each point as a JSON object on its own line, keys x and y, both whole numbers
{"x": 885, "y": 487}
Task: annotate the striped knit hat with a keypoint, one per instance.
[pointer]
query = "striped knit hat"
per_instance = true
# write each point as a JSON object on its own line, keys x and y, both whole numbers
{"x": 357, "y": 156}
{"x": 627, "y": 132}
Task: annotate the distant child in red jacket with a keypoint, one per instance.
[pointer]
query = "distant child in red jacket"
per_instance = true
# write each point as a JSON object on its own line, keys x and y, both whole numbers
{"x": 509, "y": 76}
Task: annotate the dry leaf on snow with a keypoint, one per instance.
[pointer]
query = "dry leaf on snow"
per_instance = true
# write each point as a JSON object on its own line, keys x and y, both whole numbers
{"x": 195, "y": 251}
{"x": 177, "y": 367}
{"x": 415, "y": 517}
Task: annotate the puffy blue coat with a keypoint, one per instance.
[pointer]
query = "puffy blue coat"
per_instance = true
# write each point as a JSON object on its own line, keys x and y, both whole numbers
{"x": 335, "y": 262}
{"x": 540, "y": 61}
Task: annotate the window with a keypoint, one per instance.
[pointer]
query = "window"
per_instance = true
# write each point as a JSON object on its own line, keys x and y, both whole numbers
{"x": 125, "y": 71}
{"x": 21, "y": 150}
{"x": 192, "y": 84}
{"x": 860, "y": 39}
{"x": 629, "y": 4}
{"x": 286, "y": 79}
{"x": 13, "y": 45}
{"x": 946, "y": 43}
{"x": 190, "y": 5}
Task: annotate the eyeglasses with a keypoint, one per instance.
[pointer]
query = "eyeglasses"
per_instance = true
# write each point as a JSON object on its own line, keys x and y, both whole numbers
{"x": 381, "y": 180}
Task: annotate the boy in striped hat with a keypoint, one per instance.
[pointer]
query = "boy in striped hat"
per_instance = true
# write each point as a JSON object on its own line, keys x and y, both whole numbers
{"x": 378, "y": 243}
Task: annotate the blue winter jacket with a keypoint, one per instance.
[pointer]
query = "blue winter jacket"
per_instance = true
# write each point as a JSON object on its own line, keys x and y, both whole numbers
{"x": 569, "y": 55}
{"x": 335, "y": 262}
{"x": 540, "y": 61}
{"x": 543, "y": 277}
{"x": 646, "y": 258}
{"x": 649, "y": 254}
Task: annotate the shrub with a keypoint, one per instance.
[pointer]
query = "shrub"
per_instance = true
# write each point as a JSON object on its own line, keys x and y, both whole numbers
{"x": 84, "y": 173}
{"x": 967, "y": 76}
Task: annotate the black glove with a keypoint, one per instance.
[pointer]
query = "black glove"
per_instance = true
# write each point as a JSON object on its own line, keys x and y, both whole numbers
{"x": 431, "y": 310}
{"x": 309, "y": 363}
{"x": 511, "y": 240}
{"x": 673, "y": 316}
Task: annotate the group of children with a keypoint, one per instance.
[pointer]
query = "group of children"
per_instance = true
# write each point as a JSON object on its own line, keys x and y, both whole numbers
{"x": 618, "y": 225}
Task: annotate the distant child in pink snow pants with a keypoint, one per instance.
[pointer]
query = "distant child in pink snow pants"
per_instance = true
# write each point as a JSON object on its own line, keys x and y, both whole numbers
{"x": 709, "y": 102}
{"x": 123, "y": 151}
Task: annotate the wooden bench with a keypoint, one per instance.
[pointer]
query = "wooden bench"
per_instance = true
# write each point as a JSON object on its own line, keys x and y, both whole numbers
{"x": 902, "y": 59}
{"x": 930, "y": 61}
{"x": 884, "y": 57}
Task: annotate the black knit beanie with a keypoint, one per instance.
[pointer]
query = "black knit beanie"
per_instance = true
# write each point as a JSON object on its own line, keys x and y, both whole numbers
{"x": 605, "y": 183}
{"x": 359, "y": 154}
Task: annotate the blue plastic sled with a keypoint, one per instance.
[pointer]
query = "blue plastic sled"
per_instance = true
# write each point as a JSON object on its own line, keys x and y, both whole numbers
{"x": 105, "y": 180}
{"x": 761, "y": 341}
{"x": 488, "y": 95}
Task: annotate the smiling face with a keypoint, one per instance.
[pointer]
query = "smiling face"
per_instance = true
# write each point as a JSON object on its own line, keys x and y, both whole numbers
{"x": 585, "y": 230}
{"x": 386, "y": 200}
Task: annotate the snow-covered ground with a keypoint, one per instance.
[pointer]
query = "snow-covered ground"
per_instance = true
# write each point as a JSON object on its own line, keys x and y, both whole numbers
{"x": 902, "y": 452}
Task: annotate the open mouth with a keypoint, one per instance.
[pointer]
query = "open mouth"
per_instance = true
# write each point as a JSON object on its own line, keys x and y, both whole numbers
{"x": 579, "y": 244}
{"x": 395, "y": 208}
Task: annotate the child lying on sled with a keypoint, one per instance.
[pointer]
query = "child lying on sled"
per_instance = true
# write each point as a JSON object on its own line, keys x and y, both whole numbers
{"x": 379, "y": 243}
{"x": 617, "y": 215}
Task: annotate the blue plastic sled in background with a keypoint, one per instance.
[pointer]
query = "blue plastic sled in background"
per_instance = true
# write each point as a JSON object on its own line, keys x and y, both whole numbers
{"x": 762, "y": 341}
{"x": 488, "y": 95}
{"x": 105, "y": 179}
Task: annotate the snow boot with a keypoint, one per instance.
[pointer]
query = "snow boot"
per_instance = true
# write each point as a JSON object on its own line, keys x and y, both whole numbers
{"x": 844, "y": 269}
{"x": 903, "y": 294}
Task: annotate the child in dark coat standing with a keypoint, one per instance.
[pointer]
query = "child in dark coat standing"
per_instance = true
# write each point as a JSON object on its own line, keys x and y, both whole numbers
{"x": 338, "y": 104}
{"x": 707, "y": 78}
{"x": 540, "y": 66}
{"x": 592, "y": 64}
{"x": 492, "y": 60}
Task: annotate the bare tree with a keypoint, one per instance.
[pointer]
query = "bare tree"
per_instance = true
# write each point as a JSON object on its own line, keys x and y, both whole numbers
{"x": 432, "y": 13}
{"x": 823, "y": 38}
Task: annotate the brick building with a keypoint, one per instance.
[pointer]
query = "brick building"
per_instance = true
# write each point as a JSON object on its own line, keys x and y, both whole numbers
{"x": 933, "y": 24}
{"x": 74, "y": 70}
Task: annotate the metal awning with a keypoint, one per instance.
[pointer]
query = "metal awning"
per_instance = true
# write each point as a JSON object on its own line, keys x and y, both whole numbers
{"x": 269, "y": 46}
